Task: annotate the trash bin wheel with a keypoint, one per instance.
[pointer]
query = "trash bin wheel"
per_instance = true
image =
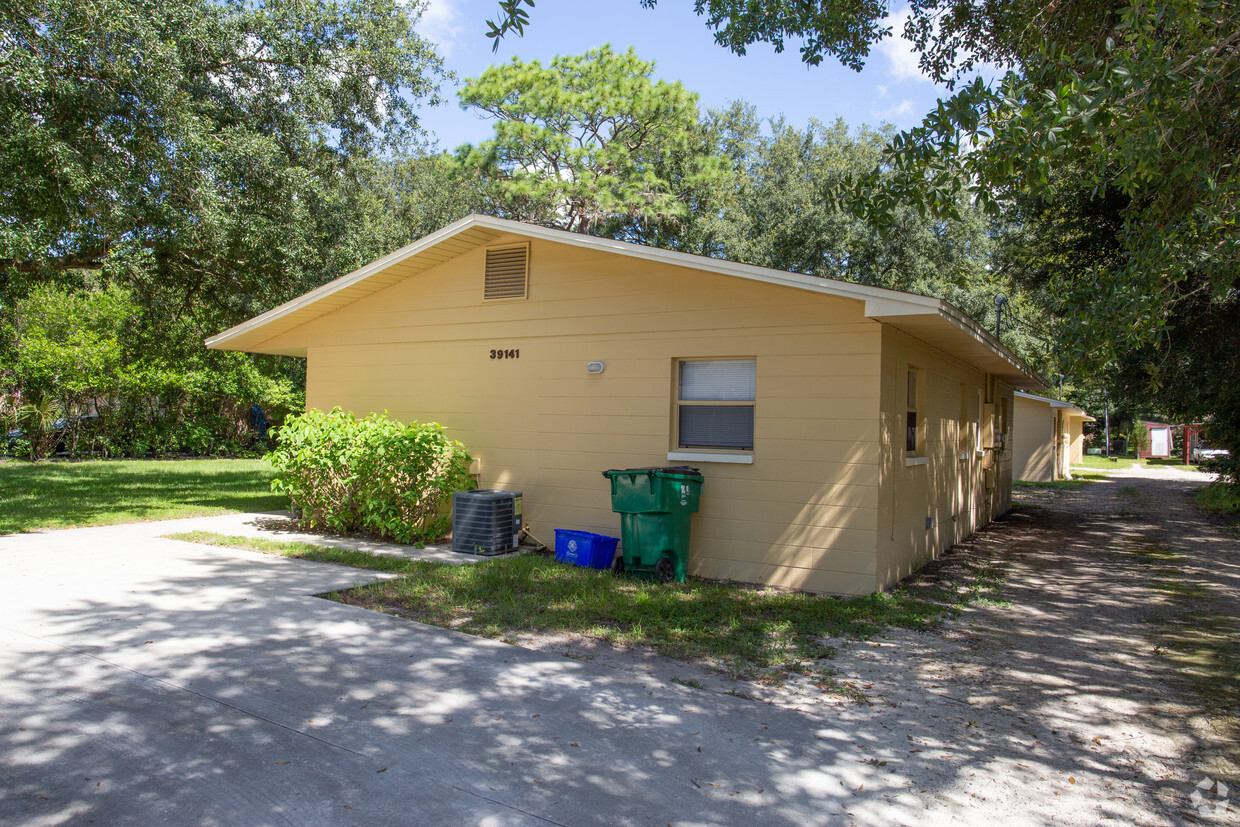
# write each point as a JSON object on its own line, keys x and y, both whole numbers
{"x": 664, "y": 570}
{"x": 617, "y": 565}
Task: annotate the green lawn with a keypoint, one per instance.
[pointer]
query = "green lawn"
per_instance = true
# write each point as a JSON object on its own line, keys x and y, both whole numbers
{"x": 1078, "y": 481}
{"x": 1117, "y": 462}
{"x": 103, "y": 492}
{"x": 1111, "y": 464}
{"x": 1219, "y": 497}
{"x": 739, "y": 628}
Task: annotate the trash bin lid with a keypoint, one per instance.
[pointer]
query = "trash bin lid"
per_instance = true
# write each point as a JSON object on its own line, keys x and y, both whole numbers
{"x": 670, "y": 471}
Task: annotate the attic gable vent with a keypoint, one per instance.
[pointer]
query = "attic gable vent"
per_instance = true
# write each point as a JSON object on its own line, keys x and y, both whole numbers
{"x": 507, "y": 273}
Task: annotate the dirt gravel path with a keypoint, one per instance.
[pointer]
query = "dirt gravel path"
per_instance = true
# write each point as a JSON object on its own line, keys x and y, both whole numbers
{"x": 1090, "y": 692}
{"x": 1100, "y": 687}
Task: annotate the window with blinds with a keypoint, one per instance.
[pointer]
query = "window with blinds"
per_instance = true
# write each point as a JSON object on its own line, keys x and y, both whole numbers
{"x": 715, "y": 404}
{"x": 507, "y": 273}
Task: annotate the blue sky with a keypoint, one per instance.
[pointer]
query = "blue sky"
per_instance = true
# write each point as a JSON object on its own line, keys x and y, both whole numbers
{"x": 890, "y": 89}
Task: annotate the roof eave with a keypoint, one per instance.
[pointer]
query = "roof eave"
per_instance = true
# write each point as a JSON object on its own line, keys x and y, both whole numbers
{"x": 969, "y": 341}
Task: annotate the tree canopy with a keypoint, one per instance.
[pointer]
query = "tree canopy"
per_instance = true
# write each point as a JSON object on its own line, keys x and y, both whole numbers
{"x": 170, "y": 169}
{"x": 579, "y": 141}
{"x": 189, "y": 143}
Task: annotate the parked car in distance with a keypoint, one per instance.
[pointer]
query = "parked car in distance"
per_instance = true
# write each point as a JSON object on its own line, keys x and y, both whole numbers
{"x": 1203, "y": 451}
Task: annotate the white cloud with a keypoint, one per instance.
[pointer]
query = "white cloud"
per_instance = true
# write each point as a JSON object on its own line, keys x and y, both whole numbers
{"x": 441, "y": 24}
{"x": 899, "y": 112}
{"x": 901, "y": 57}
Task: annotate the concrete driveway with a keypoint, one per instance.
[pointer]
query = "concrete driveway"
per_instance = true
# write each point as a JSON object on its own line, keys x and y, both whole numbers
{"x": 144, "y": 680}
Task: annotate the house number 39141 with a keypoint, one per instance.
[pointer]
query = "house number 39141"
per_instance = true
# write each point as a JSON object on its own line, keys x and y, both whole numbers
{"x": 501, "y": 353}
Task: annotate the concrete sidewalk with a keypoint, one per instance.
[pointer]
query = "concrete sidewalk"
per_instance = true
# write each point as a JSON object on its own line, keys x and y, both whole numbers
{"x": 144, "y": 680}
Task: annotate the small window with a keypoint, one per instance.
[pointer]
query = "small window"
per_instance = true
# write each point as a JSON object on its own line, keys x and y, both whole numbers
{"x": 715, "y": 403}
{"x": 912, "y": 440}
{"x": 507, "y": 271}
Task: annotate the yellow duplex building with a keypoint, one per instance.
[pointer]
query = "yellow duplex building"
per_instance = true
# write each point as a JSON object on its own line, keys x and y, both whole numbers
{"x": 847, "y": 434}
{"x": 1048, "y": 437}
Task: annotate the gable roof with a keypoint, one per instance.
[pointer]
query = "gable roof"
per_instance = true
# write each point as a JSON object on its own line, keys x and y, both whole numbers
{"x": 931, "y": 320}
{"x": 1073, "y": 410}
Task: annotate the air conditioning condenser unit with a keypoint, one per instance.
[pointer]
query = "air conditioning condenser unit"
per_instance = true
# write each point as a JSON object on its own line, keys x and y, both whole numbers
{"x": 486, "y": 521}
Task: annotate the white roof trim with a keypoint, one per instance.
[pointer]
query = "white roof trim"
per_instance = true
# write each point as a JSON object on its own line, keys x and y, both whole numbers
{"x": 1055, "y": 403}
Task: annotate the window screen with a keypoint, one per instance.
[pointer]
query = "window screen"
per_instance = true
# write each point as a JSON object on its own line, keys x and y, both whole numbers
{"x": 715, "y": 407}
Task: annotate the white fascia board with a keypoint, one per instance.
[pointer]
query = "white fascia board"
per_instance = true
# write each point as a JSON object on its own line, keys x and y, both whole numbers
{"x": 1057, "y": 403}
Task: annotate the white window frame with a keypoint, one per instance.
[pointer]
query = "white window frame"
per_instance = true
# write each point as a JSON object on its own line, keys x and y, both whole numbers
{"x": 686, "y": 453}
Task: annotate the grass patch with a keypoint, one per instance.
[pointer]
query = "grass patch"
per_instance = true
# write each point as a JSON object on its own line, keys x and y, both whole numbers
{"x": 300, "y": 551}
{"x": 104, "y": 492}
{"x": 737, "y": 628}
{"x": 1057, "y": 485}
{"x": 1104, "y": 463}
{"x": 984, "y": 585}
{"x": 1128, "y": 491}
{"x": 1117, "y": 462}
{"x": 1219, "y": 497}
{"x": 1170, "y": 462}
{"x": 1077, "y": 482}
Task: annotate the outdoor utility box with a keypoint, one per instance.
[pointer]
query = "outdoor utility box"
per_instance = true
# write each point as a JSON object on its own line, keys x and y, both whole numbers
{"x": 654, "y": 505}
{"x": 486, "y": 521}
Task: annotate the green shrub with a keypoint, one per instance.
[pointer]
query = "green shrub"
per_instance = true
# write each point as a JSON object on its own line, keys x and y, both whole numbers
{"x": 372, "y": 474}
{"x": 119, "y": 389}
{"x": 1220, "y": 497}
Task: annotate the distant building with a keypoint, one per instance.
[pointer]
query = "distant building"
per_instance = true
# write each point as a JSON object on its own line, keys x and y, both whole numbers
{"x": 1046, "y": 437}
{"x": 1160, "y": 443}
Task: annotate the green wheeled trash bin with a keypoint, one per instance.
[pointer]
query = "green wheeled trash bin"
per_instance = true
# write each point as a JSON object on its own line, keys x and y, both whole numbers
{"x": 654, "y": 505}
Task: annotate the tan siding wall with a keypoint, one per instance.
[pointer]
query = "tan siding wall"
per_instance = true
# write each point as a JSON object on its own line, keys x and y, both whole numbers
{"x": 1001, "y": 501}
{"x": 1076, "y": 453}
{"x": 1033, "y": 441}
{"x": 950, "y": 491}
{"x": 802, "y": 515}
